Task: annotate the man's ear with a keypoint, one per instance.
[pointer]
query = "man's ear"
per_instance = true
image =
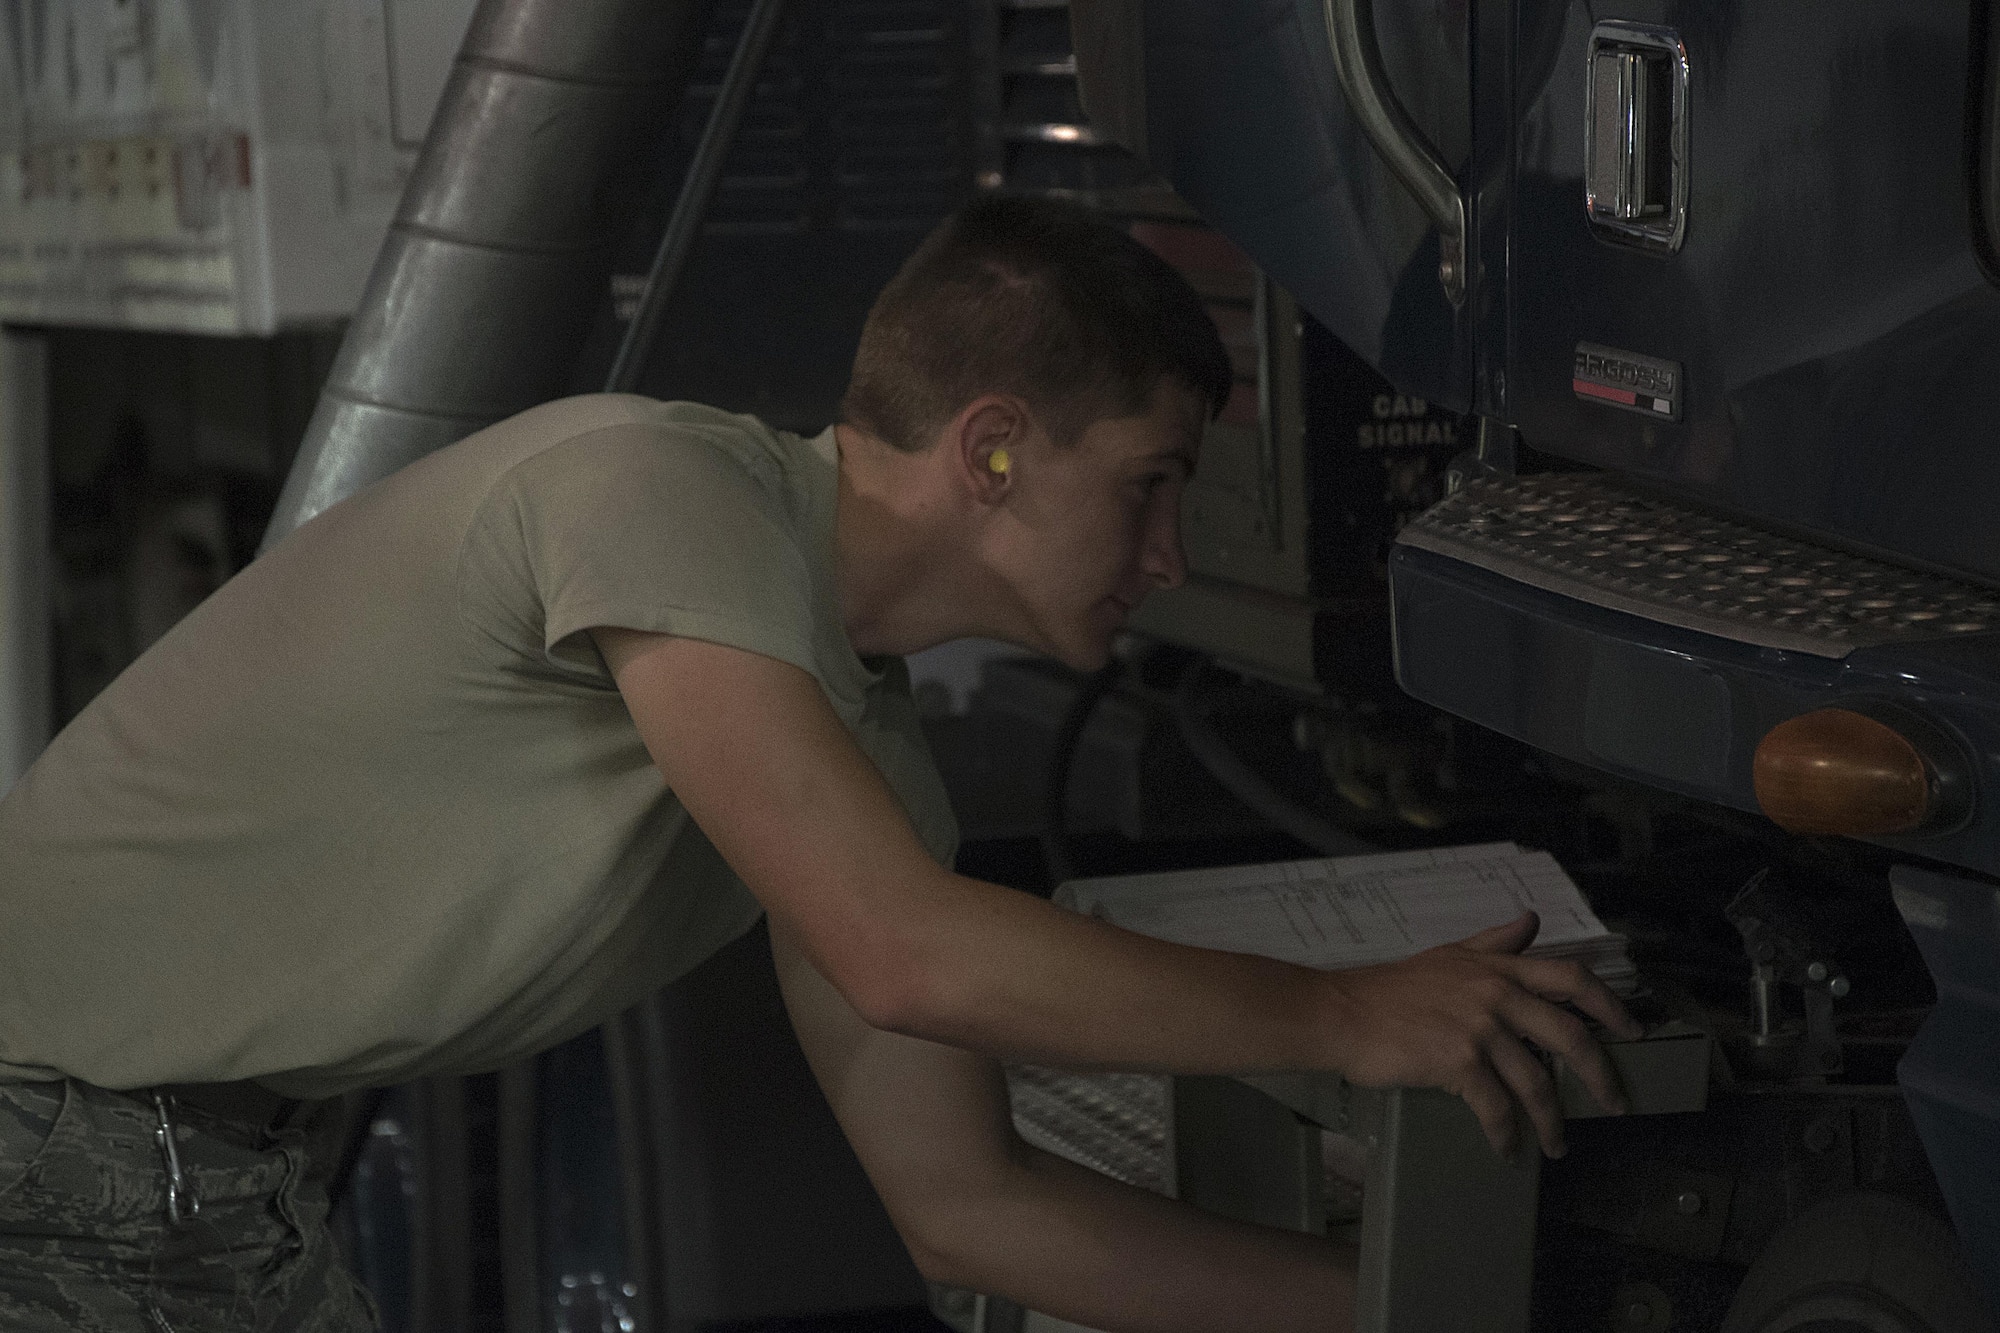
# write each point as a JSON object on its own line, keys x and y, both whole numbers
{"x": 986, "y": 439}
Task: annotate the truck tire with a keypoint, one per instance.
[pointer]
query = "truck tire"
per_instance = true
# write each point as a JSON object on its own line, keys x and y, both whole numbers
{"x": 1861, "y": 1263}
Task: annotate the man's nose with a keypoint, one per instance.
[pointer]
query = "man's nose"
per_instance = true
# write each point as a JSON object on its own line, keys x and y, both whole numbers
{"x": 1165, "y": 558}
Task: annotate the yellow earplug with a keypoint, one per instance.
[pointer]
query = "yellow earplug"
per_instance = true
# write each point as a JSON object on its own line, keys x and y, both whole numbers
{"x": 998, "y": 462}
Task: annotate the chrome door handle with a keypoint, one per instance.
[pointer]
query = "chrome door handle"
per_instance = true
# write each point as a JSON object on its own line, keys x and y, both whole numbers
{"x": 1635, "y": 183}
{"x": 1357, "y": 59}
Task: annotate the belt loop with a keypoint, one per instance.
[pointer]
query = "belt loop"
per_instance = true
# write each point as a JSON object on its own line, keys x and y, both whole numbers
{"x": 182, "y": 1205}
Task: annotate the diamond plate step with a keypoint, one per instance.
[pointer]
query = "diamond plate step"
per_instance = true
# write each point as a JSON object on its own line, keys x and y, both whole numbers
{"x": 1583, "y": 535}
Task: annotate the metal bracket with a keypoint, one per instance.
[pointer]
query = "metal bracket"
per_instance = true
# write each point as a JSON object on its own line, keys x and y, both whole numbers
{"x": 1777, "y": 937}
{"x": 1447, "y": 1225}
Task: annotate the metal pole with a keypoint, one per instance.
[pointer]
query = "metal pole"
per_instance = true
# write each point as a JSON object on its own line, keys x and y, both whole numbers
{"x": 703, "y": 174}
{"x": 518, "y": 1117}
{"x": 26, "y": 690}
{"x": 628, "y": 1058}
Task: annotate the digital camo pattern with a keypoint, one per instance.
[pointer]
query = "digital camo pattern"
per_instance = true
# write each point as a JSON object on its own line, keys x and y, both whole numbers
{"x": 86, "y": 1245}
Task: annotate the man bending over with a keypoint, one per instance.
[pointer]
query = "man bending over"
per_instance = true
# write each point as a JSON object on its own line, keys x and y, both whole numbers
{"x": 482, "y": 756}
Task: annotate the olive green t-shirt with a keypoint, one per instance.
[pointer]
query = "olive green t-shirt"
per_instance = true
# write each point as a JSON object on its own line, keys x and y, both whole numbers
{"x": 377, "y": 810}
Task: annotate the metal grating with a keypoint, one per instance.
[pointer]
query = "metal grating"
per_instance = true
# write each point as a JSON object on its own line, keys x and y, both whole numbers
{"x": 860, "y": 121}
{"x": 1112, "y": 1123}
{"x": 1034, "y": 137}
{"x": 1582, "y": 535}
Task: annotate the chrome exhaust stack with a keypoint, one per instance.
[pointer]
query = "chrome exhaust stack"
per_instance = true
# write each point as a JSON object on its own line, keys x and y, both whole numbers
{"x": 502, "y": 248}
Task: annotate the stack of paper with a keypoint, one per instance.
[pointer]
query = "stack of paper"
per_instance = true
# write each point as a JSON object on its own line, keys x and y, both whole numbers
{"x": 1353, "y": 910}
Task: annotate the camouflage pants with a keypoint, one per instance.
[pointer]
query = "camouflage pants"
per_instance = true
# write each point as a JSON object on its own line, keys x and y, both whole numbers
{"x": 87, "y": 1246}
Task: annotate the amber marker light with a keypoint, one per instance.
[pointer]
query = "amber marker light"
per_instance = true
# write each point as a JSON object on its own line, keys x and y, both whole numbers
{"x": 1835, "y": 770}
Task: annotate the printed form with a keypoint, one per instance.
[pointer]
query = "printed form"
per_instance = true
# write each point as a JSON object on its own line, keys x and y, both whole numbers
{"x": 1352, "y": 911}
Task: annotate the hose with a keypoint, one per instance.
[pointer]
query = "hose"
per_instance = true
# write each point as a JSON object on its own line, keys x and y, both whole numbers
{"x": 1245, "y": 783}
{"x": 1062, "y": 760}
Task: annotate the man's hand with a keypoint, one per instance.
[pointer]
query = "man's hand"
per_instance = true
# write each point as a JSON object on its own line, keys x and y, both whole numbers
{"x": 1460, "y": 1017}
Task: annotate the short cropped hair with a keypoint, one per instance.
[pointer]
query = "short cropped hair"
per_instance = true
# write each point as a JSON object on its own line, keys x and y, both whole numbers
{"x": 1031, "y": 297}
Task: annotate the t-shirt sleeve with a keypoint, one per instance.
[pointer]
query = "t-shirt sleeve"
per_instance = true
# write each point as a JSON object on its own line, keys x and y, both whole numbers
{"x": 645, "y": 527}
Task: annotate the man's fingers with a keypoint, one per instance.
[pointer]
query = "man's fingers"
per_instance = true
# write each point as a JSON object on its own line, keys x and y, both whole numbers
{"x": 1490, "y": 1102}
{"x": 1512, "y": 937}
{"x": 1556, "y": 979}
{"x": 1531, "y": 1085}
{"x": 1562, "y": 1033}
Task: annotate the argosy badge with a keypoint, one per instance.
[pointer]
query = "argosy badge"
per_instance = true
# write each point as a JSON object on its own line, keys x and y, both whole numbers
{"x": 1625, "y": 379}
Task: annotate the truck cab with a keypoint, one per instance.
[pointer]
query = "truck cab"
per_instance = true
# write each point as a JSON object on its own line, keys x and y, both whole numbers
{"x": 1714, "y": 287}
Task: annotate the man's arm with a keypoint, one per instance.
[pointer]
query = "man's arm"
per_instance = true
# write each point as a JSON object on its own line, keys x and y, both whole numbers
{"x": 755, "y": 753}
{"x": 979, "y": 1208}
